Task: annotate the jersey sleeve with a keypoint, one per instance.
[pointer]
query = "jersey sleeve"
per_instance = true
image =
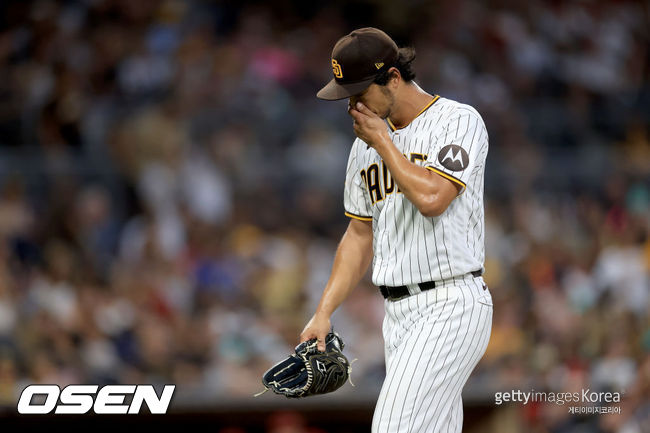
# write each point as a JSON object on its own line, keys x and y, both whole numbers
{"x": 460, "y": 148}
{"x": 355, "y": 196}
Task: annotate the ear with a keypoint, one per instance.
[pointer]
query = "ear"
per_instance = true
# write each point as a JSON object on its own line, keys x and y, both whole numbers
{"x": 395, "y": 77}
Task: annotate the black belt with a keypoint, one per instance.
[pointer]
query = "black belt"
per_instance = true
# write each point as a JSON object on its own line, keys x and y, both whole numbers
{"x": 402, "y": 291}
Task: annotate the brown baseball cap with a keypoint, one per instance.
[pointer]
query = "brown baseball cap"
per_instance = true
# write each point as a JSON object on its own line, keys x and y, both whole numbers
{"x": 357, "y": 59}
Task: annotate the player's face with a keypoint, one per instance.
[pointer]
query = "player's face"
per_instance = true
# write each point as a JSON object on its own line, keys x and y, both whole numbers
{"x": 378, "y": 99}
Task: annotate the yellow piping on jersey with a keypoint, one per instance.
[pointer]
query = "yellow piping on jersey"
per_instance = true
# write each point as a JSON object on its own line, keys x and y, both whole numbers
{"x": 450, "y": 177}
{"x": 358, "y": 217}
{"x": 435, "y": 98}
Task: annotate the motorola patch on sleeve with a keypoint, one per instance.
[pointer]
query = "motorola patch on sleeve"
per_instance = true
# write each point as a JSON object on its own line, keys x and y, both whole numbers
{"x": 453, "y": 157}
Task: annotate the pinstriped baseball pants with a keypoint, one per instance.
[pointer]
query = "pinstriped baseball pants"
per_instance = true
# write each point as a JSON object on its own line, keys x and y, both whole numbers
{"x": 433, "y": 341}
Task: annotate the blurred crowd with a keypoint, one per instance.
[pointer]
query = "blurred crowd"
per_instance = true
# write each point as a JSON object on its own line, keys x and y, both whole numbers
{"x": 171, "y": 192}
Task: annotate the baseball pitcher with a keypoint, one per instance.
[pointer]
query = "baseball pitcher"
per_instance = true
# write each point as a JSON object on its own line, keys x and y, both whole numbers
{"x": 414, "y": 195}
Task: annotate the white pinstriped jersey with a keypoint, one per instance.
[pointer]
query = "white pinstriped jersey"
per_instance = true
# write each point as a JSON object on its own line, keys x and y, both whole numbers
{"x": 449, "y": 138}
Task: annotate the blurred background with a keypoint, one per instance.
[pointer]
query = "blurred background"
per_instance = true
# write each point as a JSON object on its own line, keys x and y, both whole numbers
{"x": 171, "y": 200}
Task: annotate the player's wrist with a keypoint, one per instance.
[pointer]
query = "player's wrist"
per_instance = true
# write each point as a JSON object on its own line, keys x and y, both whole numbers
{"x": 322, "y": 314}
{"x": 383, "y": 143}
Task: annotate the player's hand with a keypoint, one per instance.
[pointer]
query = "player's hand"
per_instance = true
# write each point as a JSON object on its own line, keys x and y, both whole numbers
{"x": 317, "y": 327}
{"x": 367, "y": 125}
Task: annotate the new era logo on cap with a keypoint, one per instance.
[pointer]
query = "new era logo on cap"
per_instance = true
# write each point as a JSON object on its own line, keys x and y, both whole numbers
{"x": 357, "y": 59}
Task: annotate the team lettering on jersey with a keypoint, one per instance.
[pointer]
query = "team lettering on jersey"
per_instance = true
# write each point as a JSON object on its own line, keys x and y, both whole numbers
{"x": 379, "y": 182}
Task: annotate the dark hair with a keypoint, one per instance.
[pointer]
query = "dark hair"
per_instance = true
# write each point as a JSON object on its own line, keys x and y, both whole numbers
{"x": 403, "y": 64}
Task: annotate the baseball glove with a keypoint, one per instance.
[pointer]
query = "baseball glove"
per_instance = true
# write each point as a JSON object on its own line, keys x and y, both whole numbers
{"x": 308, "y": 371}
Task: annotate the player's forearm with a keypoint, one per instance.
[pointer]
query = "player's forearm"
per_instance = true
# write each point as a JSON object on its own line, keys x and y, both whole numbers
{"x": 351, "y": 262}
{"x": 420, "y": 186}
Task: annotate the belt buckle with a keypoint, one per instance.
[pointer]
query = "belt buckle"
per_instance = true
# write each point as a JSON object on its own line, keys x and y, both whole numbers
{"x": 404, "y": 290}
{"x": 390, "y": 293}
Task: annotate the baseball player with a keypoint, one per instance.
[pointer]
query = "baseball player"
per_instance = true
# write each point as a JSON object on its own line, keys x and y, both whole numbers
{"x": 414, "y": 195}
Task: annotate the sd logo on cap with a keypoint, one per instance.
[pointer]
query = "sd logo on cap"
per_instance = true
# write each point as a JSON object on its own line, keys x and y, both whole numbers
{"x": 357, "y": 59}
